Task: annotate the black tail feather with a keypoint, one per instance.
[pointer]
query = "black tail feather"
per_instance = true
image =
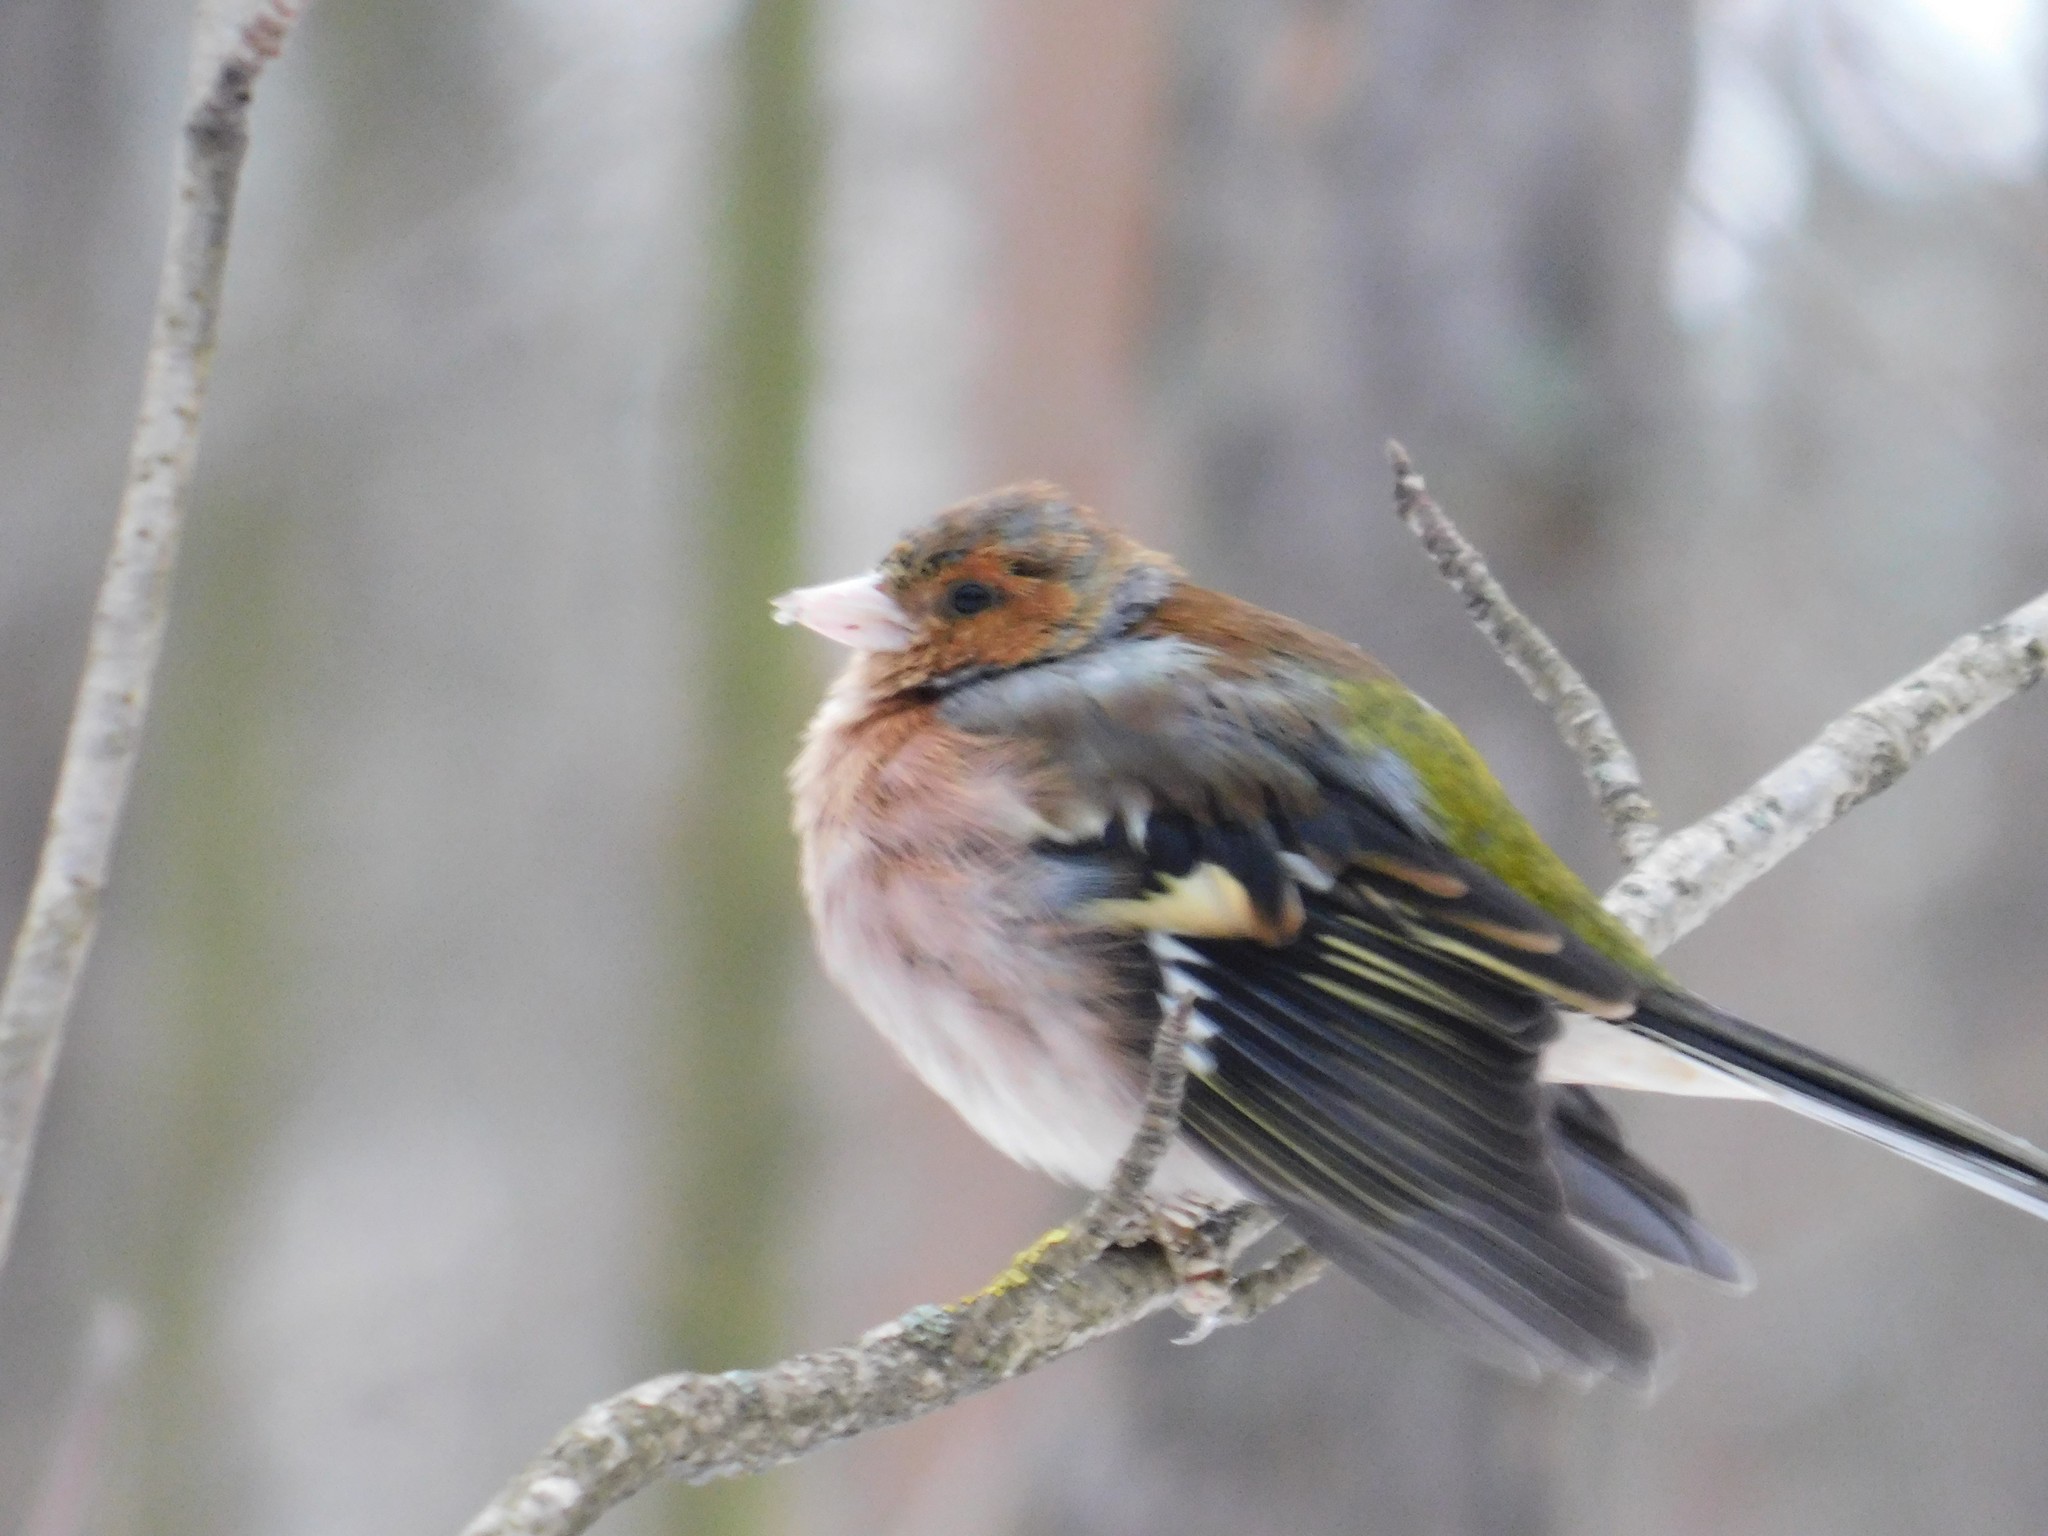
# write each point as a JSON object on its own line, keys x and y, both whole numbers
{"x": 1822, "y": 1088}
{"x": 1615, "y": 1193}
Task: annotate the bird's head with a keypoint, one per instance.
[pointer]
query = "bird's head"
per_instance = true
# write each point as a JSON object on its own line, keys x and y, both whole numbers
{"x": 1018, "y": 576}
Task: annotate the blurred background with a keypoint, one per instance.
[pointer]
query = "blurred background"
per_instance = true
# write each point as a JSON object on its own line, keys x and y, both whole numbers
{"x": 452, "y": 1055}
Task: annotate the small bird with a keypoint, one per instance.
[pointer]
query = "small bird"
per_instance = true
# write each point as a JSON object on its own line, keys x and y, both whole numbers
{"x": 1059, "y": 787}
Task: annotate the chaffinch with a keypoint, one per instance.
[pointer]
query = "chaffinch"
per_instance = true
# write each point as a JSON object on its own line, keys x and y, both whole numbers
{"x": 1059, "y": 785}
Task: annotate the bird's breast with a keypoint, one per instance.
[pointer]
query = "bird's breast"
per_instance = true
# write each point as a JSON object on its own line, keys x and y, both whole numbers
{"x": 935, "y": 913}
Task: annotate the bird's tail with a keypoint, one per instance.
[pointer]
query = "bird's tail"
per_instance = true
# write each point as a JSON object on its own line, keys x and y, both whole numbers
{"x": 1931, "y": 1134}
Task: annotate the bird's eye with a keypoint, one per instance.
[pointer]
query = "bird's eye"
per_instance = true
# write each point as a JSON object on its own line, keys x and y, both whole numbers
{"x": 967, "y": 598}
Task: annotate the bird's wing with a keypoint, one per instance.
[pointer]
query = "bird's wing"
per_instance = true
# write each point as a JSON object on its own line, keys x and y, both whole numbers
{"x": 1375, "y": 1077}
{"x": 1369, "y": 1007}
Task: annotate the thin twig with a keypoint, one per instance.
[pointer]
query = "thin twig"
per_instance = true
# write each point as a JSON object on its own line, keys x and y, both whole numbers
{"x": 56, "y": 930}
{"x": 1582, "y": 719}
{"x": 1110, "y": 1213}
{"x": 1692, "y": 874}
{"x": 1274, "y": 1281}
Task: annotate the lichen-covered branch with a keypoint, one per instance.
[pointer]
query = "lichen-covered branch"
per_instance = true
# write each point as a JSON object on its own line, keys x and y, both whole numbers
{"x": 703, "y": 1427}
{"x": 1582, "y": 719}
{"x": 1691, "y": 874}
{"x": 56, "y": 930}
{"x": 1069, "y": 1289}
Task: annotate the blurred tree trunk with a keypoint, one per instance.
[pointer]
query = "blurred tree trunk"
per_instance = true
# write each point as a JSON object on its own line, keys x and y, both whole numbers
{"x": 361, "y": 1105}
{"x": 1444, "y": 222}
{"x": 734, "y": 1101}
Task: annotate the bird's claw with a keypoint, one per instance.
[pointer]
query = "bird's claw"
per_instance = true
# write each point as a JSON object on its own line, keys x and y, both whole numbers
{"x": 1201, "y": 1269}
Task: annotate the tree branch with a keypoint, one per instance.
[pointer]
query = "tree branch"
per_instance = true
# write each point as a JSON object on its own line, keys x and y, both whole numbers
{"x": 703, "y": 1427}
{"x": 1677, "y": 883}
{"x": 1582, "y": 719}
{"x": 1298, "y": 1268}
{"x": 1048, "y": 1304}
{"x": 1692, "y": 874}
{"x": 56, "y": 930}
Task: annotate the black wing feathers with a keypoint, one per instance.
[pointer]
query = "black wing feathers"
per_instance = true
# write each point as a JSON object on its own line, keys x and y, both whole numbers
{"x": 1407, "y": 1144}
{"x": 1375, "y": 1079}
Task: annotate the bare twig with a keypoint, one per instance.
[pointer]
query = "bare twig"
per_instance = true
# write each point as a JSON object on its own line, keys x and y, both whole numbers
{"x": 56, "y": 930}
{"x": 1582, "y": 719}
{"x": 1111, "y": 1212}
{"x": 1045, "y": 1306}
{"x": 1692, "y": 874}
{"x": 1273, "y": 1282}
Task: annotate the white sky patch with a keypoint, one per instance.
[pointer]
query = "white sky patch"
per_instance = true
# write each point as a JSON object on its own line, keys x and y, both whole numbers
{"x": 1911, "y": 94}
{"x": 1746, "y": 184}
{"x": 1989, "y": 28}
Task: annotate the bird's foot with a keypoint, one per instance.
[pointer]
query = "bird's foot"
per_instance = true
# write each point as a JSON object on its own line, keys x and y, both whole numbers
{"x": 1200, "y": 1263}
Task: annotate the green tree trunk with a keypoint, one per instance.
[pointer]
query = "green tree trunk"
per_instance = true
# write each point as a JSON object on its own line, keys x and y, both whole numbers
{"x": 735, "y": 1098}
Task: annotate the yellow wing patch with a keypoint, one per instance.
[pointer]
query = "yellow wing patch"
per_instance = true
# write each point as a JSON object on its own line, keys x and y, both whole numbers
{"x": 1208, "y": 902}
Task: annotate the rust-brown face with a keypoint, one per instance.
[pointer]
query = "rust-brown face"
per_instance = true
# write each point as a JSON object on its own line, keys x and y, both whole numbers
{"x": 983, "y": 608}
{"x": 1014, "y": 577}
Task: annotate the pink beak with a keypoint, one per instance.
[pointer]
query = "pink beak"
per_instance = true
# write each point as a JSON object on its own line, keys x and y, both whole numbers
{"x": 855, "y": 612}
